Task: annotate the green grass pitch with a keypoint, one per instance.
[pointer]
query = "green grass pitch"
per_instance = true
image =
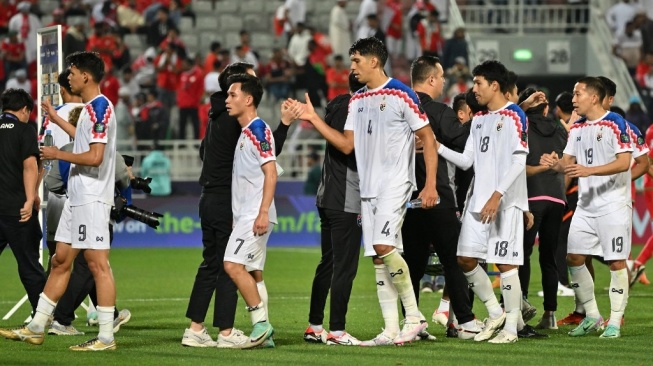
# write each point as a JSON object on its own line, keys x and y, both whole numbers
{"x": 155, "y": 284}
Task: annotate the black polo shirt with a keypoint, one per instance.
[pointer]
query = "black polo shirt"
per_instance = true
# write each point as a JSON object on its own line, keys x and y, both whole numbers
{"x": 18, "y": 141}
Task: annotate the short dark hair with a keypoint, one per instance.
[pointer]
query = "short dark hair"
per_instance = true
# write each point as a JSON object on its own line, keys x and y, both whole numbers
{"x": 473, "y": 104}
{"x": 249, "y": 84}
{"x": 492, "y": 71}
{"x": 215, "y": 45}
{"x": 596, "y": 85}
{"x": 422, "y": 68}
{"x": 524, "y": 94}
{"x": 235, "y": 68}
{"x": 563, "y": 101}
{"x": 338, "y": 58}
{"x": 370, "y": 47}
{"x": 538, "y": 109}
{"x": 63, "y": 80}
{"x": 243, "y": 31}
{"x": 618, "y": 111}
{"x": 459, "y": 102}
{"x": 16, "y": 99}
{"x": 511, "y": 81}
{"x": 89, "y": 62}
{"x": 610, "y": 86}
{"x": 354, "y": 84}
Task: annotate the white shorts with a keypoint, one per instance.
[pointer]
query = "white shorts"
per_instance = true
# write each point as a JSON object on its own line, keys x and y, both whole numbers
{"x": 246, "y": 248}
{"x": 608, "y": 235}
{"x": 53, "y": 214}
{"x": 85, "y": 226}
{"x": 382, "y": 218}
{"x": 500, "y": 242}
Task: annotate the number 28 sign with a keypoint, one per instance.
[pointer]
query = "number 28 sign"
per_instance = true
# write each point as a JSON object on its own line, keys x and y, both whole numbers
{"x": 558, "y": 54}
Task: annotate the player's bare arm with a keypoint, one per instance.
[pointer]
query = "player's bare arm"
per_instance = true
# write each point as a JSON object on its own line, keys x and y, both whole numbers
{"x": 555, "y": 163}
{"x": 532, "y": 170}
{"x": 640, "y": 168}
{"x": 262, "y": 221}
{"x": 49, "y": 110}
{"x": 341, "y": 141}
{"x": 429, "y": 195}
{"x": 620, "y": 164}
{"x": 93, "y": 157}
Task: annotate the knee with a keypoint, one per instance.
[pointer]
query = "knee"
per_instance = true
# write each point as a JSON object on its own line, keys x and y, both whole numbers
{"x": 467, "y": 264}
{"x": 98, "y": 267}
{"x": 233, "y": 269}
{"x": 617, "y": 265}
{"x": 575, "y": 260}
{"x": 61, "y": 263}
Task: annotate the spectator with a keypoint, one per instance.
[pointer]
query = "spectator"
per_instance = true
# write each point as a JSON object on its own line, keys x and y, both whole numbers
{"x": 628, "y": 46}
{"x": 340, "y": 29}
{"x": 212, "y": 56}
{"x": 295, "y": 14}
{"x": 337, "y": 78}
{"x": 156, "y": 165}
{"x": 19, "y": 81}
{"x": 121, "y": 56}
{"x": 372, "y": 29}
{"x": 432, "y": 41}
{"x": 242, "y": 54}
{"x": 277, "y": 75}
{"x": 13, "y": 53}
{"x": 394, "y": 30}
{"x": 158, "y": 30}
{"x": 455, "y": 47}
{"x": 458, "y": 70}
{"x": 7, "y": 10}
{"x": 26, "y": 24}
{"x": 59, "y": 19}
{"x": 145, "y": 69}
{"x": 279, "y": 20}
{"x": 211, "y": 84}
{"x": 636, "y": 114}
{"x": 129, "y": 81}
{"x": 103, "y": 43}
{"x": 153, "y": 119}
{"x": 173, "y": 38}
{"x": 189, "y": 95}
{"x": 314, "y": 173}
{"x": 109, "y": 86}
{"x": 367, "y": 7}
{"x": 125, "y": 120}
{"x": 104, "y": 12}
{"x": 75, "y": 39}
{"x": 619, "y": 14}
{"x": 129, "y": 19}
{"x": 298, "y": 46}
{"x": 168, "y": 67}
{"x": 645, "y": 25}
{"x": 73, "y": 8}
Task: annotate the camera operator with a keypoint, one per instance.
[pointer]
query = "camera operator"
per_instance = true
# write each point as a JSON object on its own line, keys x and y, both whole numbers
{"x": 19, "y": 224}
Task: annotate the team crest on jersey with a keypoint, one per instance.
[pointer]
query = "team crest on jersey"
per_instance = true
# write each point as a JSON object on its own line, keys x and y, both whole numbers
{"x": 242, "y": 144}
{"x": 640, "y": 140}
{"x": 524, "y": 136}
{"x": 500, "y": 124}
{"x": 599, "y": 136}
{"x": 382, "y": 105}
{"x": 99, "y": 127}
{"x": 624, "y": 138}
{"x": 265, "y": 146}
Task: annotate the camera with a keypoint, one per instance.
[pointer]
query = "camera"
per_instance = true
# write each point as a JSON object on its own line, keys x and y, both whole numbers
{"x": 142, "y": 184}
{"x": 121, "y": 208}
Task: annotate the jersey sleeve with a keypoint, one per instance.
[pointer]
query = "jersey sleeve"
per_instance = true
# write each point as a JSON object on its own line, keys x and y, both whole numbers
{"x": 349, "y": 123}
{"x": 262, "y": 141}
{"x": 570, "y": 149}
{"x": 99, "y": 112}
{"x": 623, "y": 141}
{"x": 519, "y": 123}
{"x": 413, "y": 112}
{"x": 640, "y": 147}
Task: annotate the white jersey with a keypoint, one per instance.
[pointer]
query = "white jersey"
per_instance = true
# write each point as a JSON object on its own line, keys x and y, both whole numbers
{"x": 60, "y": 136}
{"x": 495, "y": 136}
{"x": 596, "y": 143}
{"x": 255, "y": 148}
{"x": 96, "y": 124}
{"x": 384, "y": 120}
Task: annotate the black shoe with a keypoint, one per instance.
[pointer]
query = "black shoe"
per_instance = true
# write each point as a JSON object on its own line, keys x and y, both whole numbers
{"x": 529, "y": 332}
{"x": 452, "y": 332}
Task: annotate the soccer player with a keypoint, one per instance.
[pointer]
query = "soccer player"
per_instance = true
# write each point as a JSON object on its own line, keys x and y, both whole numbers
{"x": 598, "y": 152}
{"x": 338, "y": 203}
{"x": 438, "y": 226}
{"x": 382, "y": 121}
{"x": 85, "y": 218}
{"x": 492, "y": 226}
{"x": 252, "y": 201}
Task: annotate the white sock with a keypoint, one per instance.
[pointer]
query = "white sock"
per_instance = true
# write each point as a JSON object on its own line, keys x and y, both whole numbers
{"x": 480, "y": 283}
{"x": 580, "y": 309}
{"x": 387, "y": 299}
{"x": 316, "y": 328}
{"x": 584, "y": 289}
{"x": 401, "y": 281}
{"x": 257, "y": 313}
{"x": 619, "y": 285}
{"x": 263, "y": 293}
{"x": 520, "y": 318}
{"x": 511, "y": 291}
{"x": 105, "y": 323}
{"x": 337, "y": 333}
{"x": 44, "y": 309}
{"x": 444, "y": 306}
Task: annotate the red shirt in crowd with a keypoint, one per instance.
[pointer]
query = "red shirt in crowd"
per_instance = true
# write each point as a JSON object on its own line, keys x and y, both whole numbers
{"x": 191, "y": 88}
{"x": 396, "y": 23}
{"x": 168, "y": 77}
{"x": 7, "y": 11}
{"x": 13, "y": 49}
{"x": 109, "y": 87}
{"x": 204, "y": 118}
{"x": 104, "y": 45}
{"x": 338, "y": 81}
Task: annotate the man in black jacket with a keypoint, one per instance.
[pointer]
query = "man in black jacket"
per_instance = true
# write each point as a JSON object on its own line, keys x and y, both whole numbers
{"x": 217, "y": 153}
{"x": 438, "y": 226}
{"x": 546, "y": 200}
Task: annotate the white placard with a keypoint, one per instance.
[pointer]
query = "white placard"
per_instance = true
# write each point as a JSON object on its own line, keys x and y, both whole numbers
{"x": 558, "y": 57}
{"x": 487, "y": 50}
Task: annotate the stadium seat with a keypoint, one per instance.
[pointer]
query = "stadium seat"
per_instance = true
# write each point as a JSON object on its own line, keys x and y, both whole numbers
{"x": 186, "y": 25}
{"x": 203, "y": 6}
{"x": 133, "y": 41}
{"x": 231, "y": 40}
{"x": 271, "y": 6}
{"x": 324, "y": 7}
{"x": 256, "y": 23}
{"x": 47, "y": 6}
{"x": 191, "y": 40}
{"x": 227, "y": 6}
{"x": 230, "y": 23}
{"x": 209, "y": 22}
{"x": 263, "y": 40}
{"x": 46, "y": 19}
{"x": 207, "y": 39}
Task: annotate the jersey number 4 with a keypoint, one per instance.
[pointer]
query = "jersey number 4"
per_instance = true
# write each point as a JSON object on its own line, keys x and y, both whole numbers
{"x": 369, "y": 127}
